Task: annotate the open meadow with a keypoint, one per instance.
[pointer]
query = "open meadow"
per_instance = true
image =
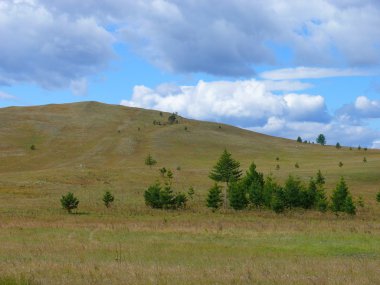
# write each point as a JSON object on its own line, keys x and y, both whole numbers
{"x": 89, "y": 148}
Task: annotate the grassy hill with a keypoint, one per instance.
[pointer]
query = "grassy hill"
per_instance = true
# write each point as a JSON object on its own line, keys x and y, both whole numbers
{"x": 90, "y": 147}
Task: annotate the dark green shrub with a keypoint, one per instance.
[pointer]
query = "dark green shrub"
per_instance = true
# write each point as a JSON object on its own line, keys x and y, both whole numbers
{"x": 342, "y": 200}
{"x": 237, "y": 196}
{"x": 378, "y": 197}
{"x": 292, "y": 192}
{"x": 69, "y": 202}
{"x": 163, "y": 197}
{"x": 180, "y": 201}
{"x": 33, "y": 147}
{"x": 278, "y": 201}
{"x": 152, "y": 196}
{"x": 108, "y": 199}
{"x": 253, "y": 183}
{"x": 349, "y": 206}
{"x": 215, "y": 197}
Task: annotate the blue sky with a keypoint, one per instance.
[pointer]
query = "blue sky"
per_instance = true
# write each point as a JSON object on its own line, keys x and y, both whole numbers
{"x": 294, "y": 68}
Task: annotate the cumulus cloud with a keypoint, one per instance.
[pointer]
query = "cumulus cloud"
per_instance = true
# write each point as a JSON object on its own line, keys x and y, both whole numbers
{"x": 335, "y": 131}
{"x": 49, "y": 49}
{"x": 53, "y": 42}
{"x": 244, "y": 102}
{"x": 311, "y": 72}
{"x": 362, "y": 108}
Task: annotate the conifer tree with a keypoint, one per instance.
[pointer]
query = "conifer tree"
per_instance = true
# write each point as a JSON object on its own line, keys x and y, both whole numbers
{"x": 349, "y": 206}
{"x": 321, "y": 139}
{"x": 108, "y": 199}
{"x": 215, "y": 197}
{"x": 320, "y": 179}
{"x": 69, "y": 202}
{"x": 226, "y": 170}
{"x": 253, "y": 183}
{"x": 150, "y": 161}
{"x": 237, "y": 196}
{"x": 341, "y": 199}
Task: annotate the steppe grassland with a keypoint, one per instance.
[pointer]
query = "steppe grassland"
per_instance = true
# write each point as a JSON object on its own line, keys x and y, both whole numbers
{"x": 80, "y": 149}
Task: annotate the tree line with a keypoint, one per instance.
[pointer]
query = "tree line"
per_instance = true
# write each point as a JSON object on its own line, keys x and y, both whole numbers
{"x": 253, "y": 190}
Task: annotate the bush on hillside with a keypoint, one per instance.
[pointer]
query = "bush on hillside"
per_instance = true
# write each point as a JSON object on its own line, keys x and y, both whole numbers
{"x": 108, "y": 199}
{"x": 341, "y": 199}
{"x": 214, "y": 197}
{"x": 69, "y": 202}
{"x": 159, "y": 197}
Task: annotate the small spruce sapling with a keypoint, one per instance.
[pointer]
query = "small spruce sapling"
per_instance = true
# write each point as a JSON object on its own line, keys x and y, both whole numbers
{"x": 191, "y": 192}
{"x": 214, "y": 197}
{"x": 69, "y": 202}
{"x": 150, "y": 161}
{"x": 108, "y": 199}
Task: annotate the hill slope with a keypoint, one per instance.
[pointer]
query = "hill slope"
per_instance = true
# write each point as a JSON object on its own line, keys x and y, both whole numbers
{"x": 99, "y": 136}
{"x": 88, "y": 147}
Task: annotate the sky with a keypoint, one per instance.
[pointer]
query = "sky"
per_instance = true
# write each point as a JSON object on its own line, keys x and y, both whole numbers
{"x": 283, "y": 68}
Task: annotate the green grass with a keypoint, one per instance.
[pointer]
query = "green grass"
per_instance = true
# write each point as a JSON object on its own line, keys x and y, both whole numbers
{"x": 79, "y": 149}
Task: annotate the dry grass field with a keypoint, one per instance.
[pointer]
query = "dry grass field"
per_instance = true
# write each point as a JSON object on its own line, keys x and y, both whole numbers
{"x": 88, "y": 148}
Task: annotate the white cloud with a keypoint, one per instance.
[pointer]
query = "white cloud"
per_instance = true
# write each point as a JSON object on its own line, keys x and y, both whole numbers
{"x": 79, "y": 87}
{"x": 49, "y": 49}
{"x": 376, "y": 144}
{"x": 334, "y": 131}
{"x": 362, "y": 108}
{"x": 239, "y": 102}
{"x": 229, "y": 37}
{"x": 311, "y": 72}
{"x": 6, "y": 96}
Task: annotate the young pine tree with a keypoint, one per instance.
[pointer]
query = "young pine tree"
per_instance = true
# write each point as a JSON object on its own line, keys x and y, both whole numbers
{"x": 152, "y": 196}
{"x": 226, "y": 170}
{"x": 292, "y": 192}
{"x": 108, "y": 199}
{"x": 150, "y": 161}
{"x": 341, "y": 199}
{"x": 349, "y": 206}
{"x": 167, "y": 197}
{"x": 309, "y": 195}
{"x": 378, "y": 197}
{"x": 278, "y": 203}
{"x": 320, "y": 179}
{"x": 253, "y": 183}
{"x": 237, "y": 196}
{"x": 215, "y": 197}
{"x": 322, "y": 203}
{"x": 69, "y": 202}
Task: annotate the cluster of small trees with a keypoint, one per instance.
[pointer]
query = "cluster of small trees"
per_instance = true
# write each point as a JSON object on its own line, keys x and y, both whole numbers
{"x": 173, "y": 118}
{"x": 69, "y": 202}
{"x": 254, "y": 191}
{"x": 162, "y": 196}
